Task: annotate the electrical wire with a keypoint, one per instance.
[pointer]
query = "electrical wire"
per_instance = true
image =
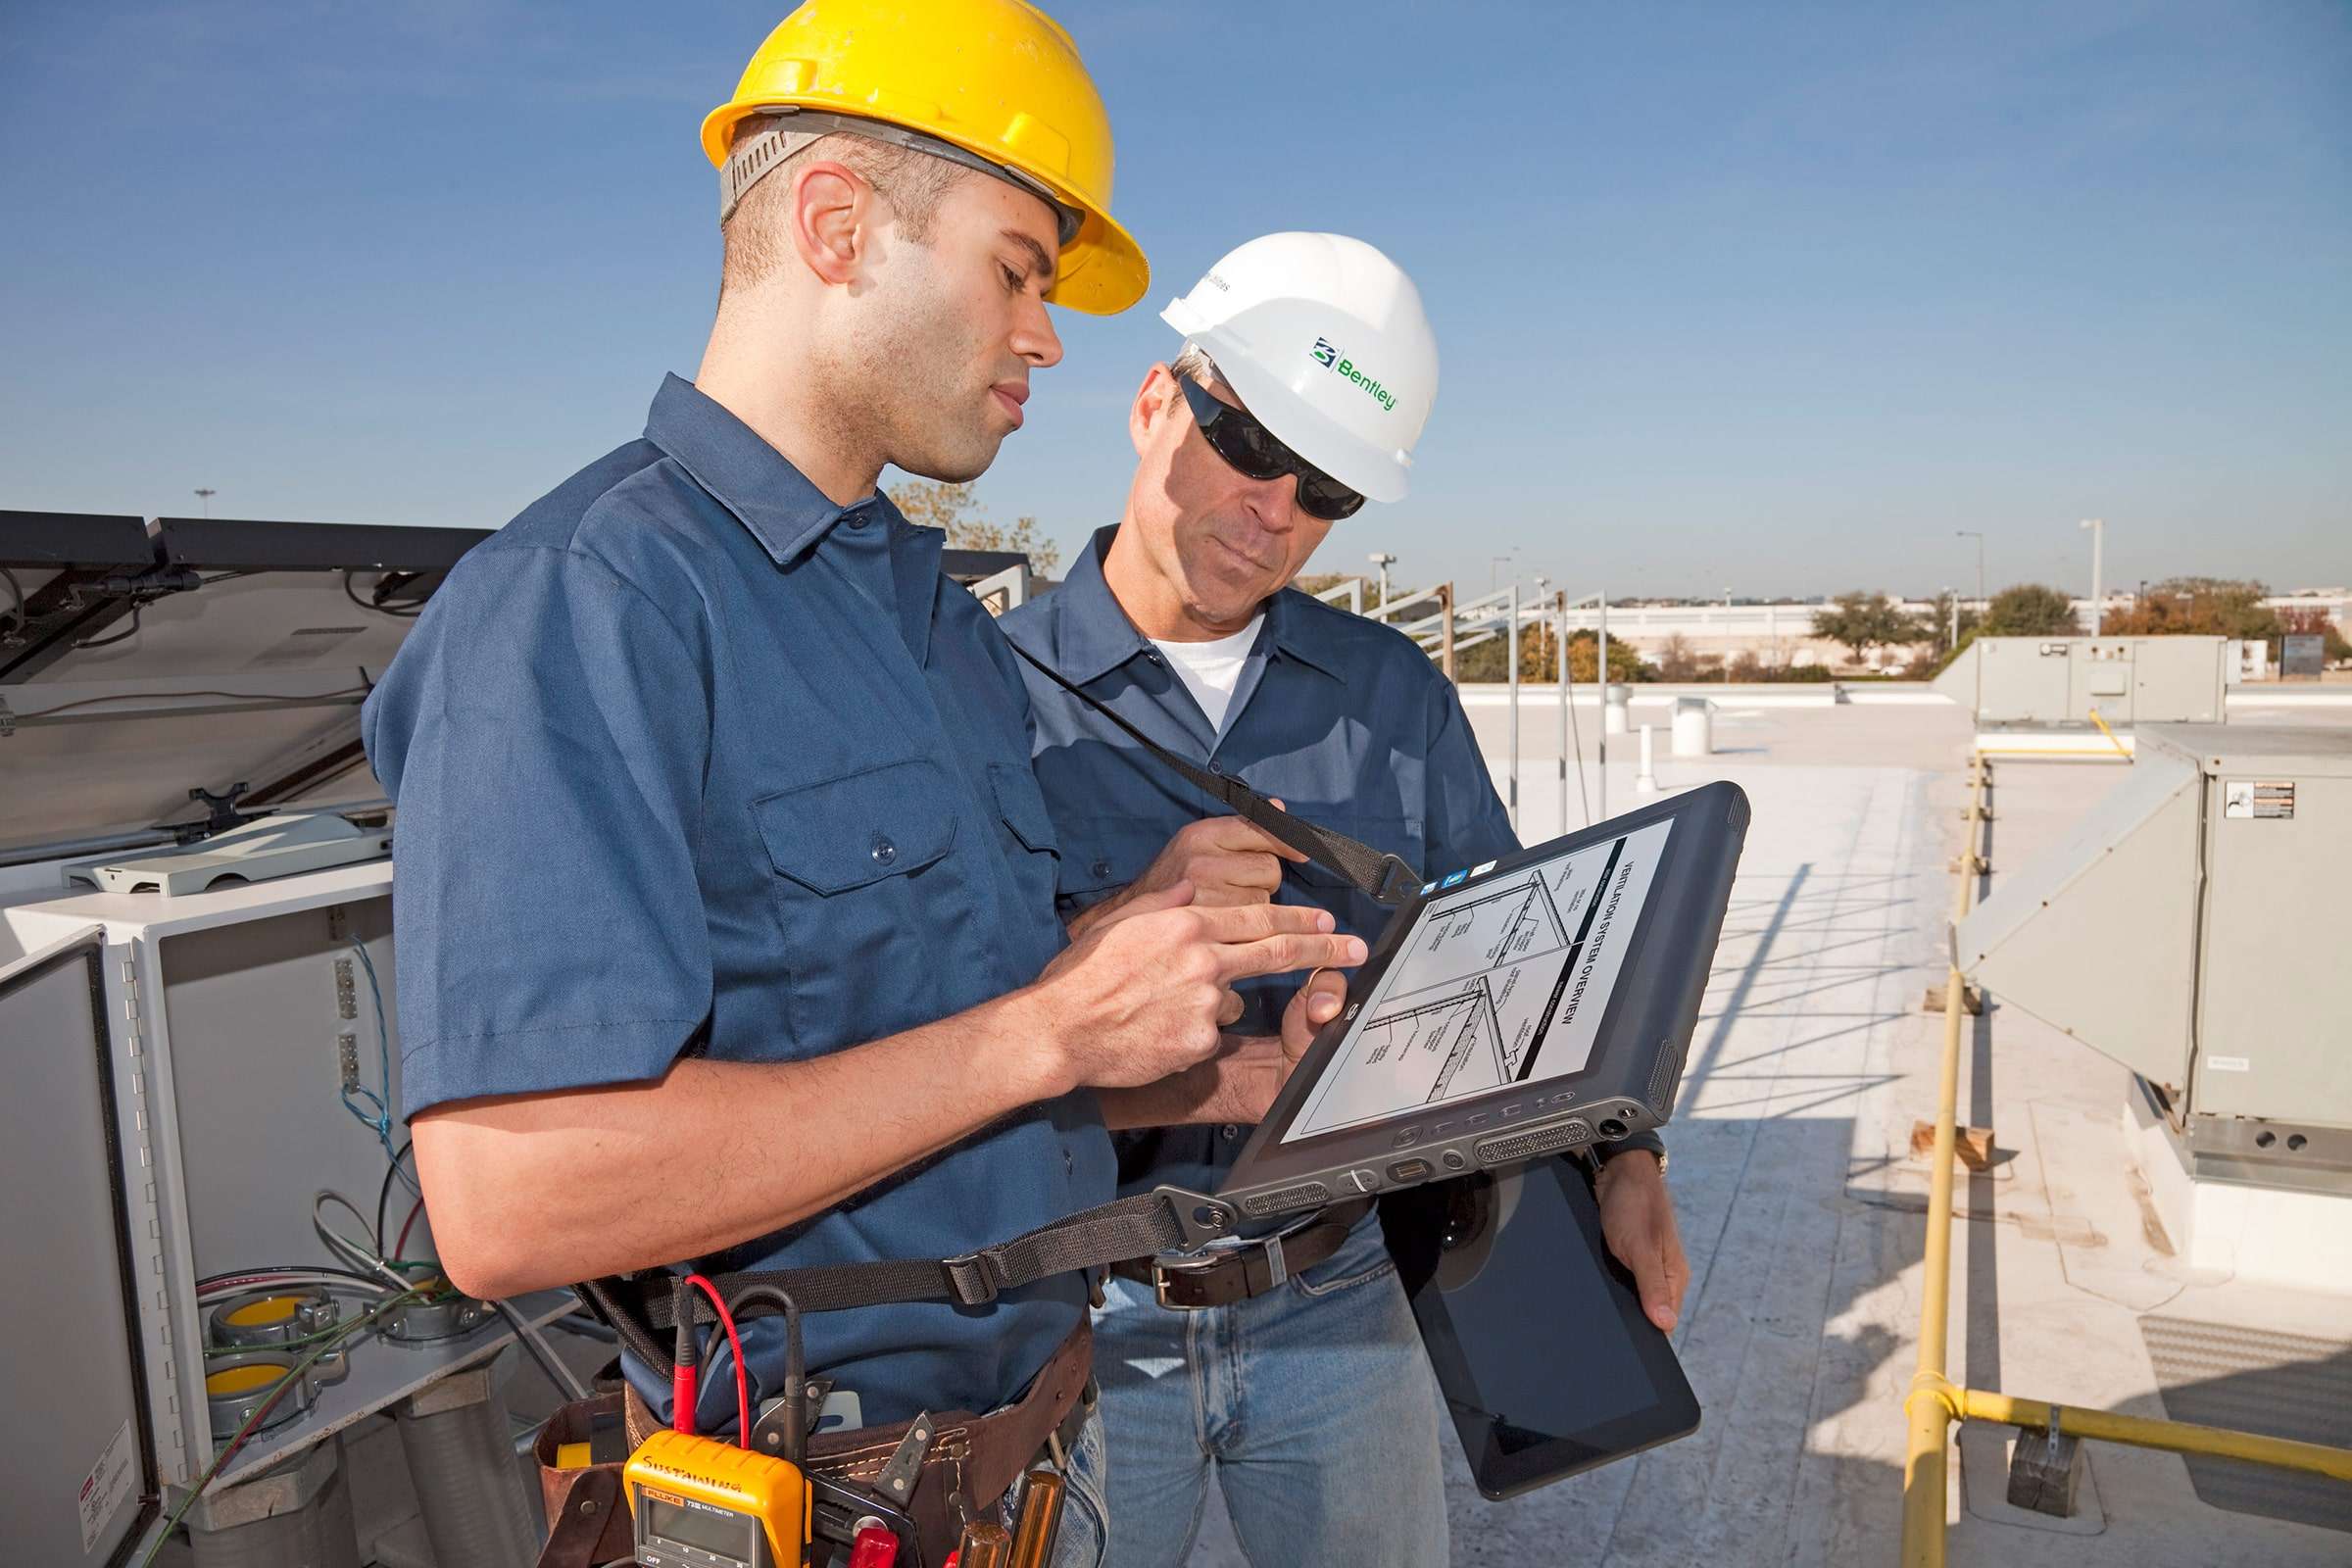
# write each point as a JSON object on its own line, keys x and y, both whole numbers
{"x": 397, "y": 609}
{"x": 795, "y": 1401}
{"x": 561, "y": 1376}
{"x": 349, "y": 1251}
{"x": 269, "y": 1277}
{"x": 149, "y": 697}
{"x": 399, "y": 1249}
{"x": 118, "y": 637}
{"x": 260, "y": 1412}
{"x": 743, "y": 1379}
{"x": 376, "y": 1113}
{"x": 383, "y": 1194}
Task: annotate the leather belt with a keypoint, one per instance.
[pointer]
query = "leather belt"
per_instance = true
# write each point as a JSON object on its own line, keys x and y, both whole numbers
{"x": 1194, "y": 1282}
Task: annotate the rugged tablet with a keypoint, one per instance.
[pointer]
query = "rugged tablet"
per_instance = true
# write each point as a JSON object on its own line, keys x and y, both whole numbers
{"x": 1514, "y": 1009}
{"x": 1536, "y": 1336}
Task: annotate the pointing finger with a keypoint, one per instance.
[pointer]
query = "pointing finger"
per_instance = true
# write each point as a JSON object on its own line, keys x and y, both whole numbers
{"x": 1252, "y": 922}
{"x": 1287, "y": 950}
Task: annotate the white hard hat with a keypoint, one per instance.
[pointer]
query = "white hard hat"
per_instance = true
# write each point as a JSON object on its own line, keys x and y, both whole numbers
{"x": 1324, "y": 340}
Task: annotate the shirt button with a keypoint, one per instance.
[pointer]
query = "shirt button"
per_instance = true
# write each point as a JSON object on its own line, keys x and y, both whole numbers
{"x": 885, "y": 851}
{"x": 1217, "y": 768}
{"x": 858, "y": 520}
{"x": 1229, "y": 1131}
{"x": 1100, "y": 869}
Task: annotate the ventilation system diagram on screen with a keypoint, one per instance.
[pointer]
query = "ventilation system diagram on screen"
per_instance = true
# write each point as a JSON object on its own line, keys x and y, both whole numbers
{"x": 1505, "y": 981}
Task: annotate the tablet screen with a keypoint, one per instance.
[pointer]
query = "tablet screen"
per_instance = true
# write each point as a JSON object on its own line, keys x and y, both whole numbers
{"x": 1502, "y": 981}
{"x": 1538, "y": 1343}
{"x": 1569, "y": 1365}
{"x": 1547, "y": 1363}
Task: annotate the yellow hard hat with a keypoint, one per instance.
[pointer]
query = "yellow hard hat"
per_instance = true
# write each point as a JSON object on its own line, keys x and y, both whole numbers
{"x": 997, "y": 79}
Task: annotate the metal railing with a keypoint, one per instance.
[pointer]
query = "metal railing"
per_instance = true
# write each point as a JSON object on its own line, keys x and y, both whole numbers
{"x": 1935, "y": 1401}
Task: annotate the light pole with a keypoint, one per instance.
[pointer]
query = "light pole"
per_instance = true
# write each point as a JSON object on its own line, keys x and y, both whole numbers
{"x": 1983, "y": 610}
{"x": 1971, "y": 533}
{"x": 1728, "y": 637}
{"x": 204, "y": 494}
{"x": 1384, "y": 560}
{"x": 2099, "y": 545}
{"x": 1495, "y": 573}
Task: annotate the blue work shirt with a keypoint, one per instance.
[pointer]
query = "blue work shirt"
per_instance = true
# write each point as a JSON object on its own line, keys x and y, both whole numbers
{"x": 690, "y": 761}
{"x": 1344, "y": 719}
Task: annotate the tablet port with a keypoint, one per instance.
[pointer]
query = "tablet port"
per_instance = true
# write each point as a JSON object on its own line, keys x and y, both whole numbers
{"x": 1410, "y": 1170}
{"x": 1612, "y": 1129}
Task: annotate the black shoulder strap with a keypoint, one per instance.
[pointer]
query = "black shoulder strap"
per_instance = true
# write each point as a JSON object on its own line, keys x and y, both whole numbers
{"x": 1385, "y": 876}
{"x": 642, "y": 1307}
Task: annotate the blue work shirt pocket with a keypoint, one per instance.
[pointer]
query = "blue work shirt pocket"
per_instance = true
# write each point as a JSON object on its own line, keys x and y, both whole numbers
{"x": 871, "y": 898}
{"x": 1032, "y": 848}
{"x": 1100, "y": 855}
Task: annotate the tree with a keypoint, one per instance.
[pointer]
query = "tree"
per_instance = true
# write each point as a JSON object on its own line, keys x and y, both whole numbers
{"x": 2197, "y": 606}
{"x": 1860, "y": 620}
{"x": 935, "y": 504}
{"x": 2030, "y": 609}
{"x": 1676, "y": 660}
{"x": 1938, "y": 629}
{"x": 1625, "y": 664}
{"x": 1539, "y": 660}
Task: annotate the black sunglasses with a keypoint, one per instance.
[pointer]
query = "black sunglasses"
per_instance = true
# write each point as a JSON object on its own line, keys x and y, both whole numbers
{"x": 1254, "y": 451}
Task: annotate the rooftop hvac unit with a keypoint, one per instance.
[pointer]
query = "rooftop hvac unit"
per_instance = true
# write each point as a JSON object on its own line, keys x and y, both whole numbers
{"x": 2189, "y": 927}
{"x": 2058, "y": 680}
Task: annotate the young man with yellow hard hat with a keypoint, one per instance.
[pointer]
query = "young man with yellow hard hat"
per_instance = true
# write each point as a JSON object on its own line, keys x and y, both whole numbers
{"x": 1283, "y": 1366}
{"x": 727, "y": 927}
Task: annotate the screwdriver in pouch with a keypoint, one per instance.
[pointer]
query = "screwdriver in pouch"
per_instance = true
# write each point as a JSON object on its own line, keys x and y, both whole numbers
{"x": 1039, "y": 1521}
{"x": 985, "y": 1544}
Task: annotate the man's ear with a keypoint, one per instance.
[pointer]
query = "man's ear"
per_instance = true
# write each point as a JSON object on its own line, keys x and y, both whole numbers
{"x": 1155, "y": 402}
{"x": 827, "y": 212}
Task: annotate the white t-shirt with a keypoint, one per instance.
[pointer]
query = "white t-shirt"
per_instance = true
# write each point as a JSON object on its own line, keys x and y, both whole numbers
{"x": 1210, "y": 670}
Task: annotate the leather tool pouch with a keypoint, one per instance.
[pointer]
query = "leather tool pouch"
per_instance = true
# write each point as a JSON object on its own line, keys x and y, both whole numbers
{"x": 973, "y": 1461}
{"x": 587, "y": 1517}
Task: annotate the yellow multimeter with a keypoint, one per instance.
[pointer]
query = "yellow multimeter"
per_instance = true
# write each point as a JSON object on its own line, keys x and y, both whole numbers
{"x": 702, "y": 1503}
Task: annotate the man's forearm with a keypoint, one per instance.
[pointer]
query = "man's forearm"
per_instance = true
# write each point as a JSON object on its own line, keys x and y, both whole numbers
{"x": 1237, "y": 1085}
{"x": 541, "y": 1189}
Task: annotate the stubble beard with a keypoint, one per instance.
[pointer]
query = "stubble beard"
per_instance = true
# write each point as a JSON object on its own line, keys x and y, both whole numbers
{"x": 917, "y": 402}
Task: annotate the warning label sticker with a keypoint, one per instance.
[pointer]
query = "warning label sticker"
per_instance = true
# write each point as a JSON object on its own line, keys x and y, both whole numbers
{"x": 107, "y": 1487}
{"x": 2258, "y": 798}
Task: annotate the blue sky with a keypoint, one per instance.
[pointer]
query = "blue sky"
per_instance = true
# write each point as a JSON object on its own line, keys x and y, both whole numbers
{"x": 1766, "y": 297}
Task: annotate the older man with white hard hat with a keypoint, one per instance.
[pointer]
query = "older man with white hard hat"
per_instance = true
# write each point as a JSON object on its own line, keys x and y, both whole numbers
{"x": 1307, "y": 372}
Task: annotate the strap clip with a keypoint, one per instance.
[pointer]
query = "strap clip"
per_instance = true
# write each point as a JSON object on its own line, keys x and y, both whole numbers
{"x": 971, "y": 1278}
{"x": 1399, "y": 882}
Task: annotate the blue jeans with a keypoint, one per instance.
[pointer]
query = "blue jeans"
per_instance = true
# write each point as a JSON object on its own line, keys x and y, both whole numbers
{"x": 1312, "y": 1404}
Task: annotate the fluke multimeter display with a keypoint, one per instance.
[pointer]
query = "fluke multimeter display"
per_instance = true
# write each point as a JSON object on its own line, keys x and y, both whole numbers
{"x": 702, "y": 1503}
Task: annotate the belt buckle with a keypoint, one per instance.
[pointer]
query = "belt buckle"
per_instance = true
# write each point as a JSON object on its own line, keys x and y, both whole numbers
{"x": 1270, "y": 1246}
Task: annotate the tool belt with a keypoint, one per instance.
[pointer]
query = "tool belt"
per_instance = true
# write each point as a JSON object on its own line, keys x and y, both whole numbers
{"x": 1223, "y": 1275}
{"x": 972, "y": 1464}
{"x": 972, "y": 1461}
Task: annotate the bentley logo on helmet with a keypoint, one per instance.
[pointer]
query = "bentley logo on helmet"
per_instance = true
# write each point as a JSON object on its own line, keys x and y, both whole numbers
{"x": 1330, "y": 359}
